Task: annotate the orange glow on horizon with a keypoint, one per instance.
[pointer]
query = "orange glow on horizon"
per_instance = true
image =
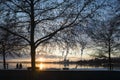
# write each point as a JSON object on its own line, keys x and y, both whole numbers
{"x": 41, "y": 59}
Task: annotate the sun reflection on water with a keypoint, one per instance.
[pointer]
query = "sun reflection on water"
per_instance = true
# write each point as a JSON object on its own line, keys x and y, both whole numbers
{"x": 41, "y": 66}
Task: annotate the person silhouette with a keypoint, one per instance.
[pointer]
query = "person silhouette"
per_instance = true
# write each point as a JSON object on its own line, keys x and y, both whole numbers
{"x": 17, "y": 66}
{"x": 20, "y": 66}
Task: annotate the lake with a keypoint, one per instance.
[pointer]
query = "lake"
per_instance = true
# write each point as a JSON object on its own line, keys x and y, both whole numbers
{"x": 56, "y": 66}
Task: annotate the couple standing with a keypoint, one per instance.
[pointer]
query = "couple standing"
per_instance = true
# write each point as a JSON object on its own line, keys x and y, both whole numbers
{"x": 19, "y": 66}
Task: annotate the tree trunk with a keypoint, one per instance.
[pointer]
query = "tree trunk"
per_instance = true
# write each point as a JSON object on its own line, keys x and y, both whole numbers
{"x": 33, "y": 57}
{"x": 81, "y": 53}
{"x": 65, "y": 58}
{"x": 4, "y": 60}
{"x": 109, "y": 56}
{"x": 32, "y": 44}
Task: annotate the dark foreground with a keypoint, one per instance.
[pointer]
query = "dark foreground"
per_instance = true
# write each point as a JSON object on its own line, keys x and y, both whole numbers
{"x": 59, "y": 75}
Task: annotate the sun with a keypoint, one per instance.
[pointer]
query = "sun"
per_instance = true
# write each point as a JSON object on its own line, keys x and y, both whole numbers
{"x": 41, "y": 59}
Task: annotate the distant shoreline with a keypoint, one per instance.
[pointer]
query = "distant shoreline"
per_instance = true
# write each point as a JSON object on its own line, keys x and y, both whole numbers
{"x": 93, "y": 62}
{"x": 25, "y": 62}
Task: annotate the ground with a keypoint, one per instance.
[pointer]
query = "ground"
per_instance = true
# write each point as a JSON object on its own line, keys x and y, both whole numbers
{"x": 59, "y": 75}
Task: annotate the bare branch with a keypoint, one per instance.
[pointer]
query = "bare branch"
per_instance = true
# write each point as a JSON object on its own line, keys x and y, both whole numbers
{"x": 20, "y": 7}
{"x": 14, "y": 34}
{"x": 52, "y": 18}
{"x": 47, "y": 37}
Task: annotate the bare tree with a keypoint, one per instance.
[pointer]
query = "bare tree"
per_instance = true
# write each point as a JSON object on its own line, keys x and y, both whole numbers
{"x": 81, "y": 38}
{"x": 105, "y": 31}
{"x": 83, "y": 42}
{"x": 106, "y": 36}
{"x": 9, "y": 44}
{"x": 40, "y": 20}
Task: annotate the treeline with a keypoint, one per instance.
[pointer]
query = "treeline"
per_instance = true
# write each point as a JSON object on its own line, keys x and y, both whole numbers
{"x": 100, "y": 62}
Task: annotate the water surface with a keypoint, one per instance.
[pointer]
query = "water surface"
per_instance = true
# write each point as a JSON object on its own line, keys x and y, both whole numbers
{"x": 53, "y": 66}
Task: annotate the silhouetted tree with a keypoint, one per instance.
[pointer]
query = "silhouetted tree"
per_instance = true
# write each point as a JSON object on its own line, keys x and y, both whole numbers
{"x": 9, "y": 45}
{"x": 40, "y": 20}
{"x": 106, "y": 37}
{"x": 105, "y": 31}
